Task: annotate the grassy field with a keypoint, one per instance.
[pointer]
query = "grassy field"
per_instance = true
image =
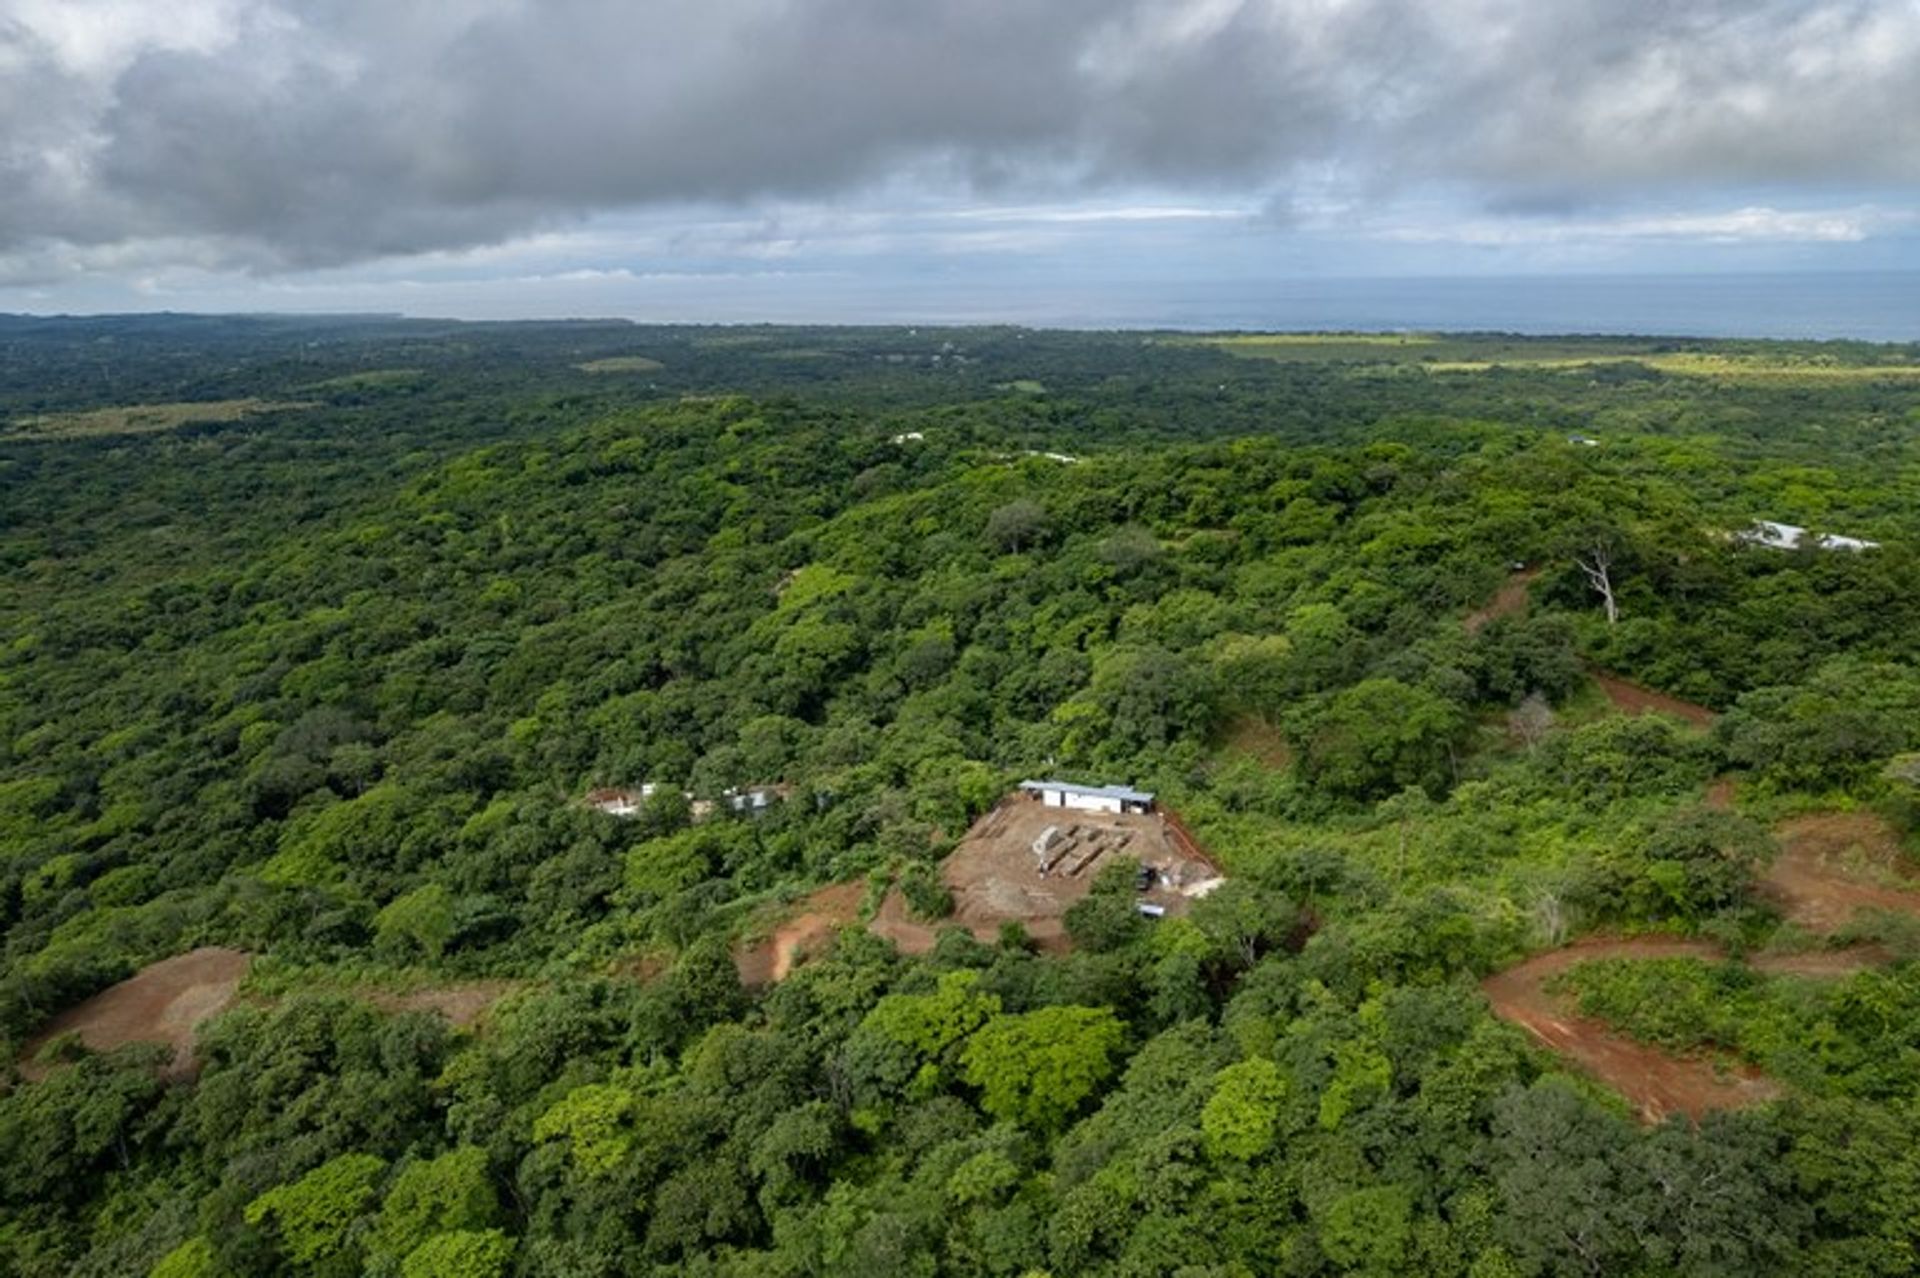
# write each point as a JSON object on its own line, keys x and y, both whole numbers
{"x": 1423, "y": 349}
{"x": 371, "y": 379}
{"x": 143, "y": 419}
{"x": 1438, "y": 353}
{"x": 622, "y": 364}
{"x": 1689, "y": 364}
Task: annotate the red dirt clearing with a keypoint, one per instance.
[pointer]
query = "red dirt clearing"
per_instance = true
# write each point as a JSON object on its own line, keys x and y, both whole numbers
{"x": 910, "y": 936}
{"x": 1634, "y": 699}
{"x": 996, "y": 879}
{"x": 1832, "y": 864}
{"x": 1509, "y": 601}
{"x": 820, "y": 916}
{"x": 164, "y": 1003}
{"x": 1655, "y": 1082}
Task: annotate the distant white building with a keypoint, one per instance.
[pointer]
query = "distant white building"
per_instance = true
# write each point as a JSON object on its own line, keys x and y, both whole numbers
{"x": 1773, "y": 536}
{"x": 621, "y": 803}
{"x": 1089, "y": 798}
{"x": 753, "y": 801}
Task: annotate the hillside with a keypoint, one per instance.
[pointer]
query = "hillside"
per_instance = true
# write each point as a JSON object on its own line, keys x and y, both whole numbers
{"x": 321, "y": 695}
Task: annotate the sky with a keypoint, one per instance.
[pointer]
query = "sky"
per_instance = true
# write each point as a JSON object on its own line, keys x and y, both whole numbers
{"x": 1078, "y": 161}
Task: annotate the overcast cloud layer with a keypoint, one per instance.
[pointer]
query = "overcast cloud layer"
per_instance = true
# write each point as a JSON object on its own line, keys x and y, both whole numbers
{"x": 273, "y": 136}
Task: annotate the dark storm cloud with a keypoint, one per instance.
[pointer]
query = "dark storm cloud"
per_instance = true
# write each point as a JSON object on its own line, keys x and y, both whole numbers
{"x": 269, "y": 133}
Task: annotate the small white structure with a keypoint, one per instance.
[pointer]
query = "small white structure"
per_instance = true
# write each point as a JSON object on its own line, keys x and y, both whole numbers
{"x": 1089, "y": 798}
{"x": 1765, "y": 532}
{"x": 752, "y": 801}
{"x": 621, "y": 803}
{"x": 1044, "y": 841}
{"x": 1583, "y": 441}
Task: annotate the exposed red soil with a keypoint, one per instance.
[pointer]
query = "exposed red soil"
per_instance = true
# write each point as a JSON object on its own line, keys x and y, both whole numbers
{"x": 464, "y": 1005}
{"x": 1634, "y": 699}
{"x": 908, "y": 934}
{"x": 1720, "y": 793}
{"x": 164, "y": 1003}
{"x": 820, "y": 916}
{"x": 1832, "y": 864}
{"x": 1509, "y": 601}
{"x": 1655, "y": 1082}
{"x": 995, "y": 878}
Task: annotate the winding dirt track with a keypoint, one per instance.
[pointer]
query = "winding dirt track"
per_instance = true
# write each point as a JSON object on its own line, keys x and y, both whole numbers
{"x": 1830, "y": 866}
{"x": 821, "y": 915}
{"x": 1655, "y": 1082}
{"x": 1634, "y": 699}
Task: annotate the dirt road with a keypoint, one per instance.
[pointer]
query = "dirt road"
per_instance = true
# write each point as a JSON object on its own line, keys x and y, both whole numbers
{"x": 809, "y": 928}
{"x": 1634, "y": 699}
{"x": 1830, "y": 866}
{"x": 1655, "y": 1082}
{"x": 1834, "y": 864}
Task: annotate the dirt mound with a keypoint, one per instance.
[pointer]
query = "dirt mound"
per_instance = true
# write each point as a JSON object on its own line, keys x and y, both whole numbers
{"x": 1832, "y": 864}
{"x": 1509, "y": 601}
{"x": 1656, "y": 1083}
{"x": 819, "y": 917}
{"x": 1634, "y": 699}
{"x": 164, "y": 1003}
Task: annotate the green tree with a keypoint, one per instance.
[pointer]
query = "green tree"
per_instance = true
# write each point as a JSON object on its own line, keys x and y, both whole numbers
{"x": 451, "y": 1193}
{"x": 1378, "y": 736}
{"x": 595, "y": 1122}
{"x": 315, "y": 1215}
{"x": 424, "y": 918}
{"x": 461, "y": 1254}
{"x": 193, "y": 1258}
{"x": 1368, "y": 1231}
{"x": 1037, "y": 1068}
{"x": 1242, "y": 1117}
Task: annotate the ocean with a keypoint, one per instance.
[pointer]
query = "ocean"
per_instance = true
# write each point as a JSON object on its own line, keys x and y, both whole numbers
{"x": 1877, "y": 307}
{"x": 1881, "y": 307}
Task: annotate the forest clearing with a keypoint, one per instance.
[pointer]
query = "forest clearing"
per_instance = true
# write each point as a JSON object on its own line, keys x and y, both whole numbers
{"x": 1830, "y": 867}
{"x": 1634, "y": 699}
{"x": 144, "y": 419}
{"x": 164, "y": 1003}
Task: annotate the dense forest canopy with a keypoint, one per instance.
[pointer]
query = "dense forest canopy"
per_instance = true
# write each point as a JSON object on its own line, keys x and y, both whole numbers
{"x": 324, "y": 676}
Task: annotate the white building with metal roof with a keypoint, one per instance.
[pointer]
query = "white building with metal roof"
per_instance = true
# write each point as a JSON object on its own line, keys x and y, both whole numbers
{"x": 1089, "y": 798}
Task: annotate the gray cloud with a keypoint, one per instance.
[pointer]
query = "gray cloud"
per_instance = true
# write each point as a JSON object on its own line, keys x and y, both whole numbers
{"x": 273, "y": 134}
